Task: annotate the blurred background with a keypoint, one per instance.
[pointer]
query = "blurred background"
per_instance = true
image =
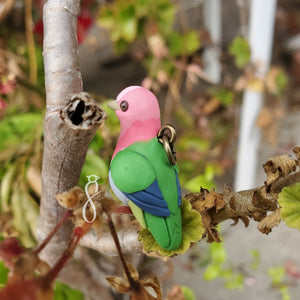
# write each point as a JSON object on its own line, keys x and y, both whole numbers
{"x": 227, "y": 76}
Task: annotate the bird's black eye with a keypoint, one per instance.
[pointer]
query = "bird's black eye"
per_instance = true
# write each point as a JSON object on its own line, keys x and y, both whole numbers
{"x": 124, "y": 105}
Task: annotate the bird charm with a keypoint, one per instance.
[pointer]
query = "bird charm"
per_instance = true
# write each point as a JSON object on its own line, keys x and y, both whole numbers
{"x": 141, "y": 173}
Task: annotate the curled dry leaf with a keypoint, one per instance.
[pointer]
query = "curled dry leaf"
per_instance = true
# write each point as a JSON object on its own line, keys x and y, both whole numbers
{"x": 76, "y": 198}
{"x": 204, "y": 202}
{"x": 279, "y": 166}
{"x": 135, "y": 286}
{"x": 208, "y": 201}
{"x": 270, "y": 221}
{"x": 71, "y": 199}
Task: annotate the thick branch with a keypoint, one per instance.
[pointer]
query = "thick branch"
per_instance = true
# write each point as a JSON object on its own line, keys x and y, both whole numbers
{"x": 70, "y": 121}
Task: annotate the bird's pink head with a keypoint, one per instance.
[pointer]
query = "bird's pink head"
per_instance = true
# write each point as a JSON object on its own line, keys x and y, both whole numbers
{"x": 139, "y": 116}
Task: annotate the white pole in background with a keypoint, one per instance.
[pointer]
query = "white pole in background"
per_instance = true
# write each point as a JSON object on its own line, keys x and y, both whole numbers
{"x": 261, "y": 27}
{"x": 212, "y": 21}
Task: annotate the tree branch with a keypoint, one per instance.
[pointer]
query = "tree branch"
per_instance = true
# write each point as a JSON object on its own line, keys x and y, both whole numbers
{"x": 70, "y": 120}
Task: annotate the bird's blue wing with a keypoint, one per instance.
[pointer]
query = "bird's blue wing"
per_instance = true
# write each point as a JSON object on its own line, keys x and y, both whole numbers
{"x": 150, "y": 200}
{"x": 133, "y": 174}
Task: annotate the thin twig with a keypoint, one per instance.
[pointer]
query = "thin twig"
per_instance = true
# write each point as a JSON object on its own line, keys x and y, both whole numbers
{"x": 30, "y": 42}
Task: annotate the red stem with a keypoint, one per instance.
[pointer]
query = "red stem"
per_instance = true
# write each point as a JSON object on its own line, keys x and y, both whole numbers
{"x": 65, "y": 216}
{"x": 118, "y": 246}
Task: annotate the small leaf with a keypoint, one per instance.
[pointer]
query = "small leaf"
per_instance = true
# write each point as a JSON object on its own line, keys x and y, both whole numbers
{"x": 289, "y": 200}
{"x": 218, "y": 253}
{"x": 25, "y": 211}
{"x": 276, "y": 274}
{"x": 17, "y": 129}
{"x": 266, "y": 225}
{"x": 279, "y": 166}
{"x": 94, "y": 165}
{"x": 3, "y": 274}
{"x": 192, "y": 230}
{"x": 188, "y": 293}
{"x": 240, "y": 49}
{"x": 64, "y": 292}
{"x": 212, "y": 272}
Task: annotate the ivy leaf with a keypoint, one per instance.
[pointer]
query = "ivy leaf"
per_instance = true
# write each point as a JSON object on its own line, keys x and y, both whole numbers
{"x": 240, "y": 49}
{"x": 192, "y": 231}
{"x": 183, "y": 44}
{"x": 289, "y": 200}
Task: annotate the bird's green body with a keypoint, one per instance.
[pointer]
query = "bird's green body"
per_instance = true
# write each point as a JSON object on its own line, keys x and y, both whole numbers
{"x": 135, "y": 169}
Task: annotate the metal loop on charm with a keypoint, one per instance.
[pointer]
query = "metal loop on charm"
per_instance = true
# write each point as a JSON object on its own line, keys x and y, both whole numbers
{"x": 167, "y": 136}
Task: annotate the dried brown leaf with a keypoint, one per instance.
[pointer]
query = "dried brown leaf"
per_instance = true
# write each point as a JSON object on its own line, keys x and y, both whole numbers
{"x": 118, "y": 284}
{"x": 279, "y": 166}
{"x": 296, "y": 151}
{"x": 136, "y": 287}
{"x": 209, "y": 200}
{"x": 71, "y": 199}
{"x": 270, "y": 221}
{"x": 265, "y": 118}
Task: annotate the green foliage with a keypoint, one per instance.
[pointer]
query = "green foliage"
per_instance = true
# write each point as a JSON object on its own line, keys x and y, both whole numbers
{"x": 216, "y": 269}
{"x": 94, "y": 165}
{"x": 277, "y": 274}
{"x": 188, "y": 293}
{"x": 25, "y": 216}
{"x": 3, "y": 274}
{"x": 256, "y": 259}
{"x": 281, "y": 81}
{"x": 64, "y": 292}
{"x": 224, "y": 96}
{"x": 126, "y": 20}
{"x": 240, "y": 49}
{"x": 289, "y": 200}
{"x": 185, "y": 44}
{"x": 192, "y": 231}
{"x": 205, "y": 180}
{"x": 18, "y": 129}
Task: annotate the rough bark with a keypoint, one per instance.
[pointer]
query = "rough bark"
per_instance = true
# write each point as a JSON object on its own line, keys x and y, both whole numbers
{"x": 70, "y": 121}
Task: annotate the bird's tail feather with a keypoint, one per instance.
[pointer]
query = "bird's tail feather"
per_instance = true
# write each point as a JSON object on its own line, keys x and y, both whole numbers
{"x": 166, "y": 231}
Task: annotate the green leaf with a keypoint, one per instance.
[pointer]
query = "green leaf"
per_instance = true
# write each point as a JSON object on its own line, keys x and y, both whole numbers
{"x": 188, "y": 293}
{"x": 276, "y": 274}
{"x": 175, "y": 43}
{"x": 205, "y": 180}
{"x": 218, "y": 253}
{"x": 224, "y": 96}
{"x": 212, "y": 272}
{"x": 236, "y": 281}
{"x": 64, "y": 292}
{"x": 256, "y": 259}
{"x": 128, "y": 23}
{"x": 3, "y": 274}
{"x": 192, "y": 231}
{"x": 281, "y": 81}
{"x": 240, "y": 49}
{"x": 6, "y": 187}
{"x": 18, "y": 129}
{"x": 25, "y": 212}
{"x": 191, "y": 42}
{"x": 284, "y": 291}
{"x": 94, "y": 165}
{"x": 289, "y": 200}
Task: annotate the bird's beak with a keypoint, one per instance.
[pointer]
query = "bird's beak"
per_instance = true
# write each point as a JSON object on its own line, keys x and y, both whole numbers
{"x": 113, "y": 105}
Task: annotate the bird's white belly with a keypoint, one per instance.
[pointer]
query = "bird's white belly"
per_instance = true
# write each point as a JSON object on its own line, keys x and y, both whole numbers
{"x": 116, "y": 191}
